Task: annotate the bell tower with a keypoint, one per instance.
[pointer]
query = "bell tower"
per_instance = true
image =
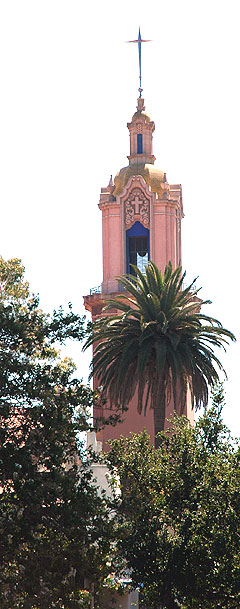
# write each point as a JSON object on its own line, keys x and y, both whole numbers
{"x": 141, "y": 212}
{"x": 141, "y": 221}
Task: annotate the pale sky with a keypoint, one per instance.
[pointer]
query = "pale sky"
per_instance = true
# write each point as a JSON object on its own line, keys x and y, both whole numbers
{"x": 68, "y": 87}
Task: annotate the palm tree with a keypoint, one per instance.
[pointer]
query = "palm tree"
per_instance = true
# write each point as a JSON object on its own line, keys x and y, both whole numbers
{"x": 157, "y": 343}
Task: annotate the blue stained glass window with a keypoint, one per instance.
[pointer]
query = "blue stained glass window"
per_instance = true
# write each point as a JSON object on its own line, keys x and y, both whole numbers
{"x": 139, "y": 143}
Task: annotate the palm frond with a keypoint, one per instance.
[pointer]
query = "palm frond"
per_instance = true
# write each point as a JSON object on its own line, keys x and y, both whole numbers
{"x": 157, "y": 341}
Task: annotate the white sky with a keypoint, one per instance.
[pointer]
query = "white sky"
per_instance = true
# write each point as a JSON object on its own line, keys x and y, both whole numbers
{"x": 68, "y": 87}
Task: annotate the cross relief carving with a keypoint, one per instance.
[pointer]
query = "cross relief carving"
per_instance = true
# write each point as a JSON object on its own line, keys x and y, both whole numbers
{"x": 137, "y": 207}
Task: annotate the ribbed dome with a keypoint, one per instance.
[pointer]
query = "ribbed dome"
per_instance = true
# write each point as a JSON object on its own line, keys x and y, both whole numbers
{"x": 153, "y": 176}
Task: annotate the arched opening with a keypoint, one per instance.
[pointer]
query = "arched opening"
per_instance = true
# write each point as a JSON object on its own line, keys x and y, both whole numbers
{"x": 137, "y": 244}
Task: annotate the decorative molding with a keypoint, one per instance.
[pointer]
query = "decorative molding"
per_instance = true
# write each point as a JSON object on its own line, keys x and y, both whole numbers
{"x": 165, "y": 213}
{"x": 137, "y": 207}
{"x": 111, "y": 216}
{"x": 136, "y": 182}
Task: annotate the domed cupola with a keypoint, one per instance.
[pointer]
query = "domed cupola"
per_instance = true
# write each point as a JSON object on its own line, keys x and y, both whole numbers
{"x": 141, "y": 131}
{"x": 141, "y": 158}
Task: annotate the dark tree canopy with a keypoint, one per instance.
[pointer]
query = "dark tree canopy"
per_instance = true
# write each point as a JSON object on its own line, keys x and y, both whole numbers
{"x": 178, "y": 516}
{"x": 55, "y": 530}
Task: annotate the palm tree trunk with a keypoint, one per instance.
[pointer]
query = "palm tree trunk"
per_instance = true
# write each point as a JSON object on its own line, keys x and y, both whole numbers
{"x": 159, "y": 420}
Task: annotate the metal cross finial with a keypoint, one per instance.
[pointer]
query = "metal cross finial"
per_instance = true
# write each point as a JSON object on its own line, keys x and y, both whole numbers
{"x": 139, "y": 43}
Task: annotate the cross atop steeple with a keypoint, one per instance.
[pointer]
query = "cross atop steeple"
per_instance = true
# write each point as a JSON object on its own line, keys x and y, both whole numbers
{"x": 139, "y": 42}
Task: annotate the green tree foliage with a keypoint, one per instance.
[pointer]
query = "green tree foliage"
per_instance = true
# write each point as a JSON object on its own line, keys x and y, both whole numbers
{"x": 160, "y": 344}
{"x": 178, "y": 515}
{"x": 54, "y": 526}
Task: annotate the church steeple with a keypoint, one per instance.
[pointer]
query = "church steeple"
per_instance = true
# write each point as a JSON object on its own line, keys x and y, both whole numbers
{"x": 141, "y": 212}
{"x": 141, "y": 221}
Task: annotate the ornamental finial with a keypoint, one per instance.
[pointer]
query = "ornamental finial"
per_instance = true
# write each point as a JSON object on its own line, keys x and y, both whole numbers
{"x": 139, "y": 42}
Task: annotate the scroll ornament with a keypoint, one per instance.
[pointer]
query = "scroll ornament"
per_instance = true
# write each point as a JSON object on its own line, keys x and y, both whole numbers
{"x": 137, "y": 207}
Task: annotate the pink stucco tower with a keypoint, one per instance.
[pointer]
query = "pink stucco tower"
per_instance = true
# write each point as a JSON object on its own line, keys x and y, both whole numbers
{"x": 141, "y": 221}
